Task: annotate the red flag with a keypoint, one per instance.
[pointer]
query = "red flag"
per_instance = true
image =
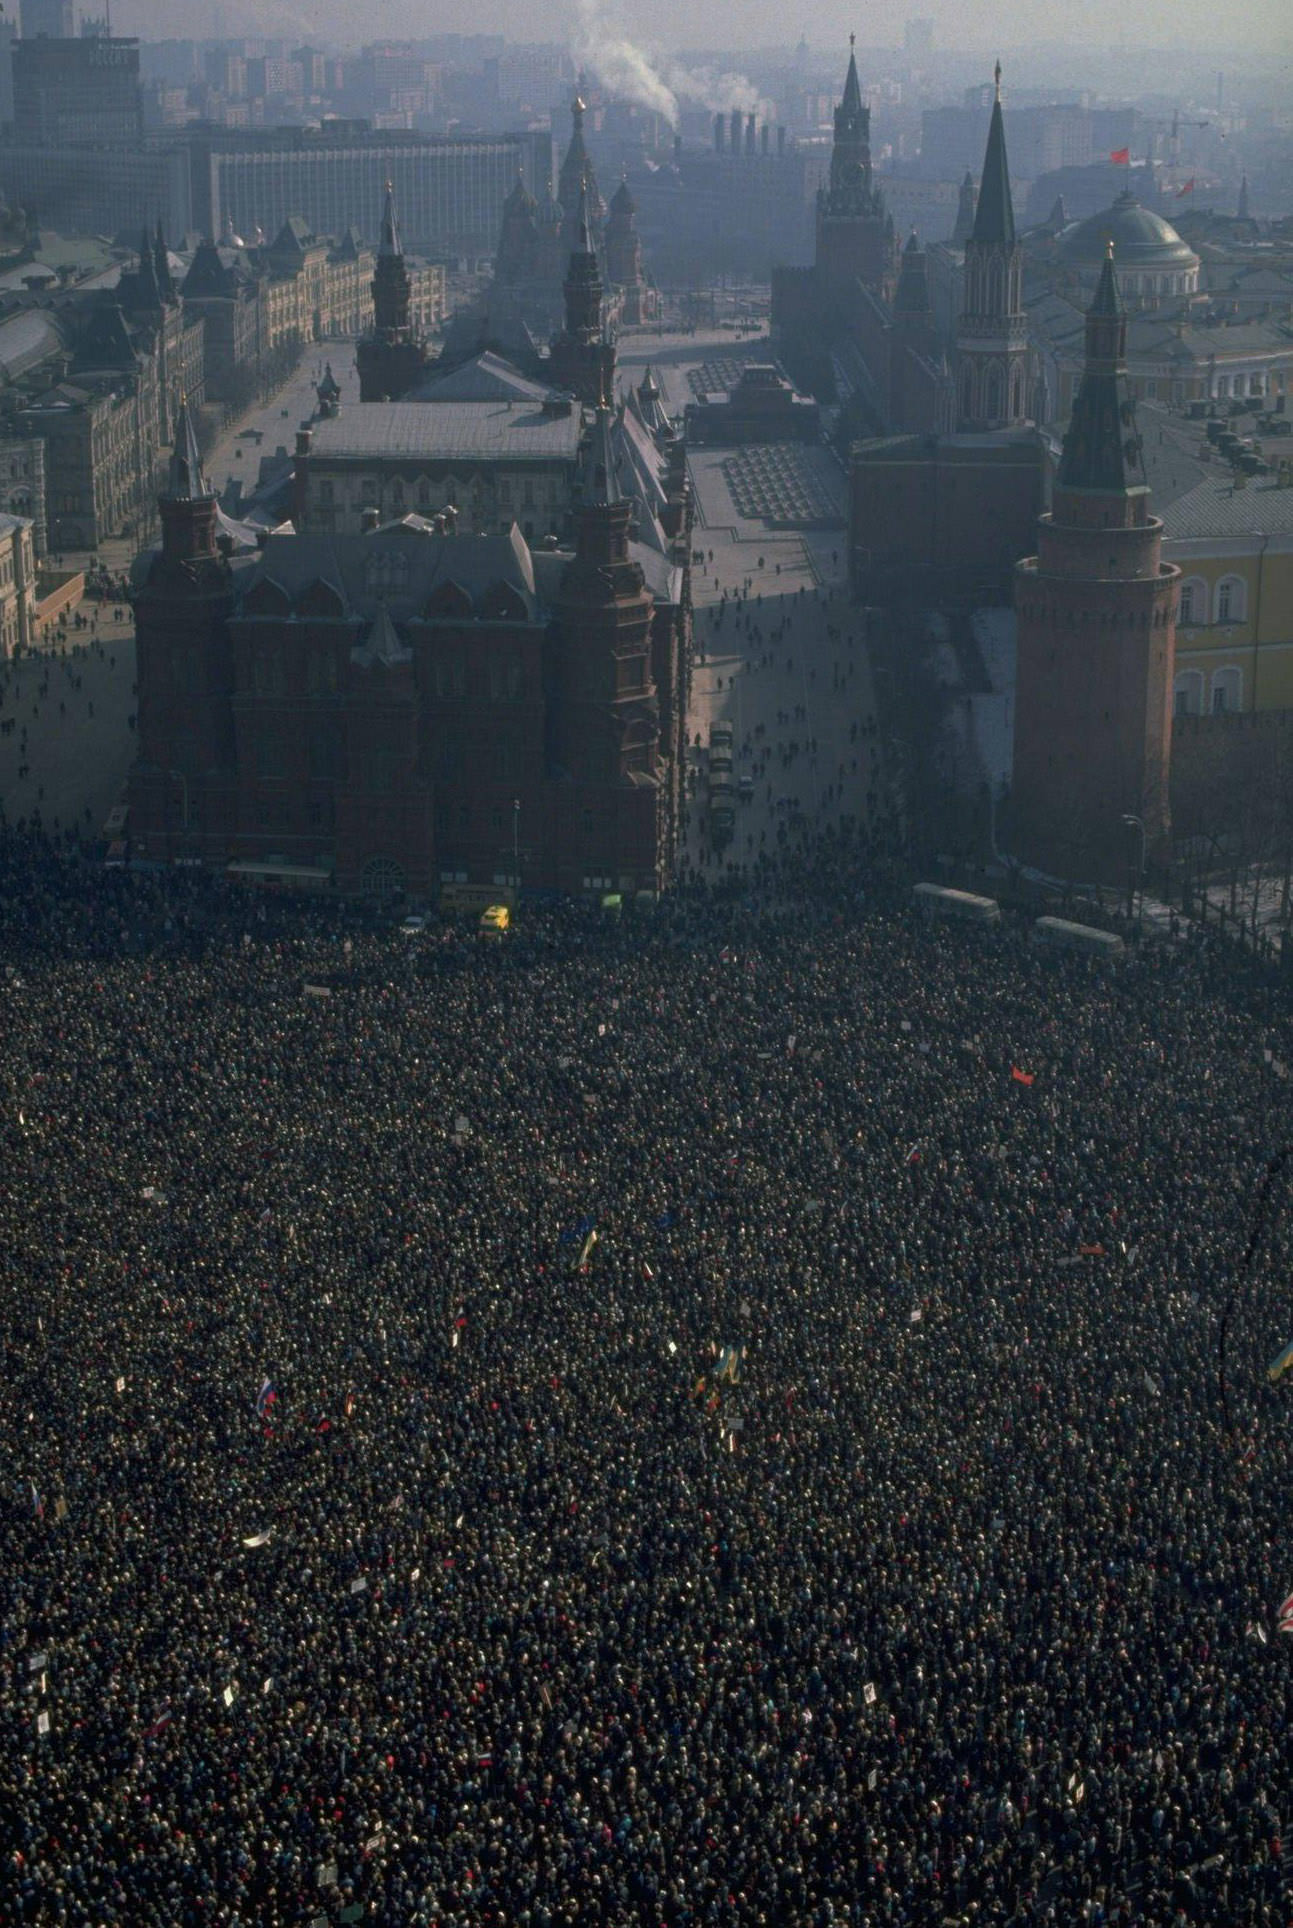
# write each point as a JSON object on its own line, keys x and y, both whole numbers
{"x": 1021, "y": 1077}
{"x": 1187, "y": 189}
{"x": 1121, "y": 157}
{"x": 1091, "y": 1251}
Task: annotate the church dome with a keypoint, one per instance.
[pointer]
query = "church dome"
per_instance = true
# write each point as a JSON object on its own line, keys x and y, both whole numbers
{"x": 1149, "y": 256}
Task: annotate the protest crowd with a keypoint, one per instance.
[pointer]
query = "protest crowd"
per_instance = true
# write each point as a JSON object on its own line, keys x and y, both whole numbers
{"x": 718, "y": 1418}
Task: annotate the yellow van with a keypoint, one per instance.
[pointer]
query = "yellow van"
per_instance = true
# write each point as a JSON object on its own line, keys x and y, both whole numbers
{"x": 495, "y": 920}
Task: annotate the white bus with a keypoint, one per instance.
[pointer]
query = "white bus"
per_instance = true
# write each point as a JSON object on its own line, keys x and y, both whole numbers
{"x": 1058, "y": 934}
{"x": 936, "y": 900}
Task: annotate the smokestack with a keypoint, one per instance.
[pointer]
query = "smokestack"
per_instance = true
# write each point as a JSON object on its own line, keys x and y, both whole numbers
{"x": 765, "y": 138}
{"x": 735, "y": 126}
{"x": 719, "y": 126}
{"x": 781, "y": 142}
{"x": 749, "y": 133}
{"x": 677, "y": 150}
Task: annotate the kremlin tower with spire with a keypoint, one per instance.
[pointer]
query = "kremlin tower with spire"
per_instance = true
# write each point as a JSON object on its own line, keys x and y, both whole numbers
{"x": 1097, "y": 638}
{"x": 392, "y": 356}
{"x": 583, "y": 358}
{"x": 992, "y": 337}
{"x": 183, "y": 665}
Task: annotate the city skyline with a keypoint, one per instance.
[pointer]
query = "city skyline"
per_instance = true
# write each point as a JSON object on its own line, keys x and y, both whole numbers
{"x": 671, "y": 28}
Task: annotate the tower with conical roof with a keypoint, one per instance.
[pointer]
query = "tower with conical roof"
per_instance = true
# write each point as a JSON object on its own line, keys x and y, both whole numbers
{"x": 992, "y": 334}
{"x": 854, "y": 241}
{"x": 624, "y": 256}
{"x": 184, "y": 667}
{"x": 577, "y": 181}
{"x": 1097, "y": 638}
{"x": 915, "y": 380}
{"x": 582, "y": 359}
{"x": 392, "y": 355}
{"x": 517, "y": 259}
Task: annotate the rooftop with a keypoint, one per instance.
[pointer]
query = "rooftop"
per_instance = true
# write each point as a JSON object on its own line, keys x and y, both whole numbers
{"x": 351, "y": 565}
{"x": 1217, "y": 508}
{"x": 448, "y": 431}
{"x": 1141, "y": 238}
{"x": 486, "y": 377}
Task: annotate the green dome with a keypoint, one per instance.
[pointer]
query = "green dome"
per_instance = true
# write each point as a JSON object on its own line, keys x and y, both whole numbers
{"x": 1141, "y": 239}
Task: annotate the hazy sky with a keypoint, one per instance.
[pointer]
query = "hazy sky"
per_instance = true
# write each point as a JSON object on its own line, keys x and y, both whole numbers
{"x": 993, "y": 25}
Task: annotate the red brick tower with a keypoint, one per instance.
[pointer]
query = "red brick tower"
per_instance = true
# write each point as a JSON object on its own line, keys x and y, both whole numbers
{"x": 604, "y": 742}
{"x": 582, "y": 360}
{"x": 855, "y": 238}
{"x": 1096, "y": 610}
{"x": 393, "y": 355}
{"x": 181, "y": 781}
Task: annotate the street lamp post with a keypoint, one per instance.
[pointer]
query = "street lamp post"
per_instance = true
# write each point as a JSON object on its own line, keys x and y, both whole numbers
{"x": 516, "y": 844}
{"x": 1131, "y": 822}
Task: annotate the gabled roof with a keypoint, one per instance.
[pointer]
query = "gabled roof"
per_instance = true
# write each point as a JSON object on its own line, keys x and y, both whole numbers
{"x": 428, "y": 560}
{"x": 208, "y": 274}
{"x": 106, "y": 342}
{"x": 381, "y": 648}
{"x": 485, "y": 377}
{"x": 293, "y": 237}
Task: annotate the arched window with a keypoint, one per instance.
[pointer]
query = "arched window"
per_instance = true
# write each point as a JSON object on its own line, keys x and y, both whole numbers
{"x": 1231, "y": 599}
{"x": 992, "y": 399}
{"x": 1227, "y": 690}
{"x": 1193, "y": 605}
{"x": 1187, "y": 692}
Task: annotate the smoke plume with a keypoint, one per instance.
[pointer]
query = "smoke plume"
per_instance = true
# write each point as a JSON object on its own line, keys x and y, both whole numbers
{"x": 630, "y": 74}
{"x": 622, "y": 68}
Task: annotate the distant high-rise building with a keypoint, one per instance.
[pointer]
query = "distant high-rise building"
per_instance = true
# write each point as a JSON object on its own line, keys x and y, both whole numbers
{"x": 55, "y": 19}
{"x": 918, "y": 39}
{"x": 77, "y": 93}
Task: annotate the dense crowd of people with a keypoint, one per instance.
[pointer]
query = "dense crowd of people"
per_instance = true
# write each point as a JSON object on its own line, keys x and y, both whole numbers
{"x": 715, "y": 1418}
